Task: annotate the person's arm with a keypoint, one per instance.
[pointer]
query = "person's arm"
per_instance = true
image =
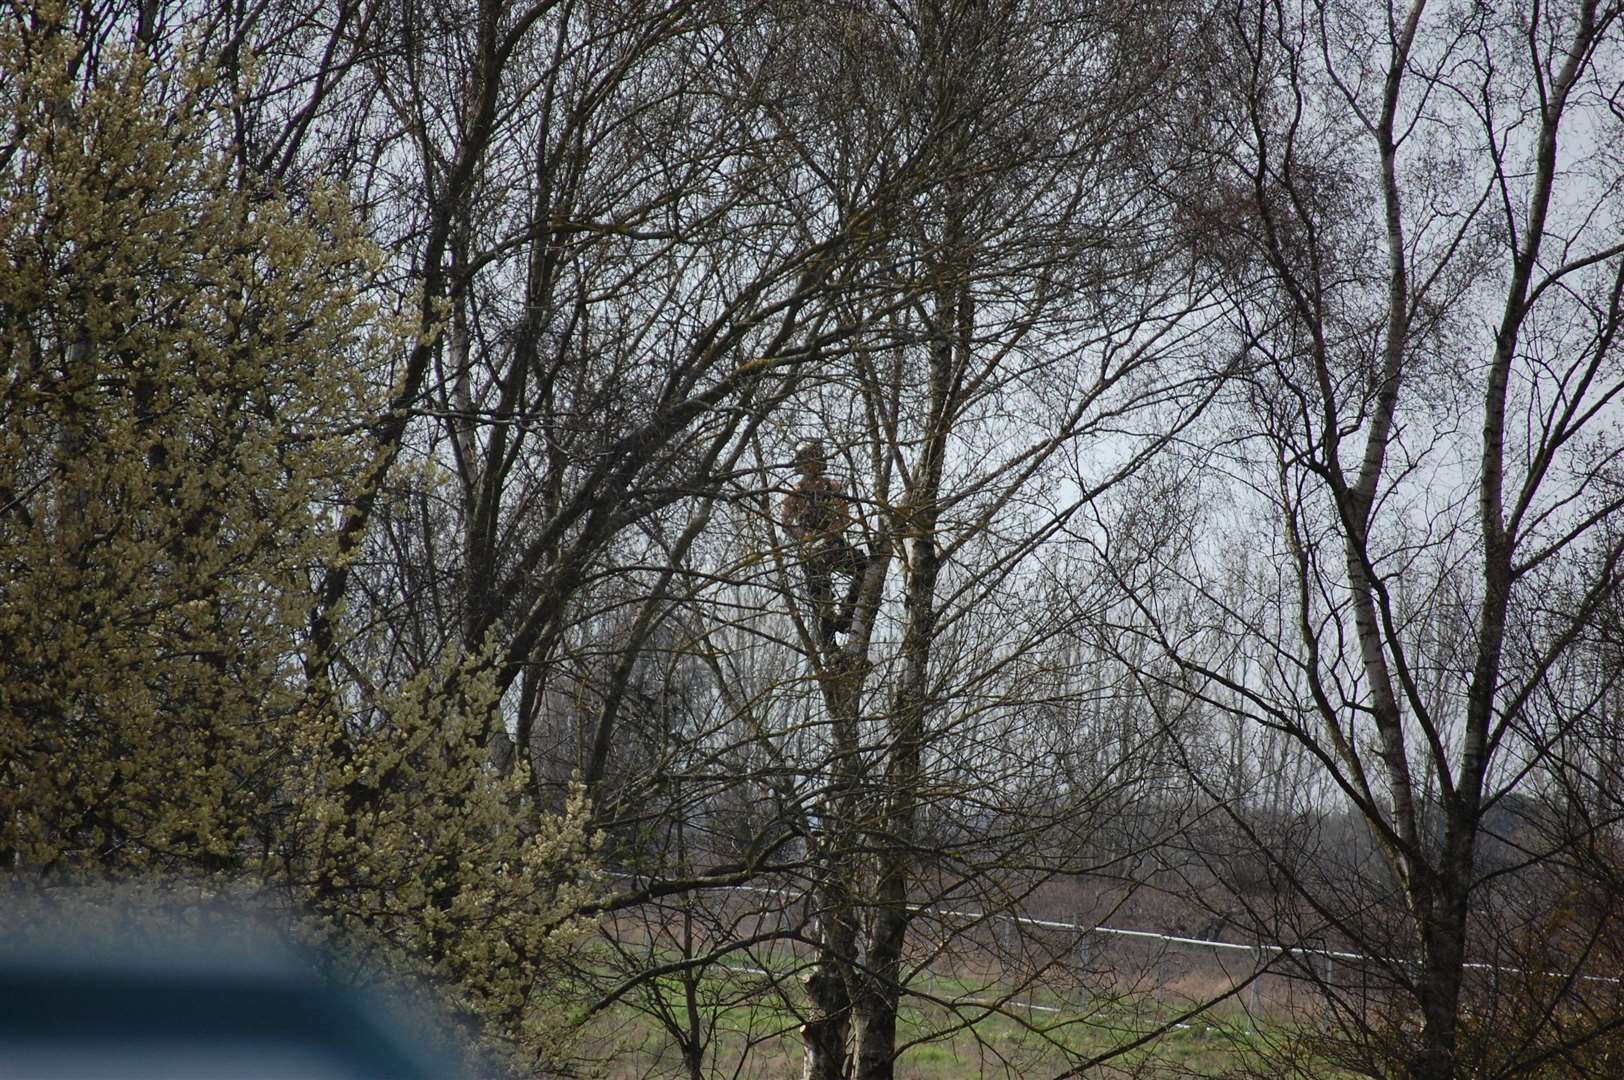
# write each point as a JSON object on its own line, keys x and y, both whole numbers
{"x": 840, "y": 518}
{"x": 792, "y": 511}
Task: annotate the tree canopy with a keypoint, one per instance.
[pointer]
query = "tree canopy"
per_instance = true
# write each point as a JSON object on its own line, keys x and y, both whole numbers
{"x": 402, "y": 521}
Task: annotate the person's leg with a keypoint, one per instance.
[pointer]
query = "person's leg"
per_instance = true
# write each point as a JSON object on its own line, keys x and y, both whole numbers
{"x": 855, "y": 563}
{"x": 820, "y": 583}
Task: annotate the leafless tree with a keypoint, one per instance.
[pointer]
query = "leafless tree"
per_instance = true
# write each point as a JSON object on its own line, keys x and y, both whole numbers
{"x": 1021, "y": 341}
{"x": 1419, "y": 211}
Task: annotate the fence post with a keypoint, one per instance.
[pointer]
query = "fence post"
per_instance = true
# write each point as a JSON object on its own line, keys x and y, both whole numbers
{"x": 1257, "y": 983}
{"x": 1079, "y": 953}
{"x": 1330, "y": 973}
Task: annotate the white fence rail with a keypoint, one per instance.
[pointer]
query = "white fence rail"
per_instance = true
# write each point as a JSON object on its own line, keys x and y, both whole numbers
{"x": 1260, "y": 949}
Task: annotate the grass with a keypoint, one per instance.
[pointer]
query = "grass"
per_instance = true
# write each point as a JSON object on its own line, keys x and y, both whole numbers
{"x": 751, "y": 1031}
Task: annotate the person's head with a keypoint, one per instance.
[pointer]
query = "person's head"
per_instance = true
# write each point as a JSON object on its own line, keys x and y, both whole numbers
{"x": 810, "y": 456}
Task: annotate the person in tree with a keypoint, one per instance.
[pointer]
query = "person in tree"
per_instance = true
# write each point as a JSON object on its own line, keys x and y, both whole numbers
{"x": 816, "y": 514}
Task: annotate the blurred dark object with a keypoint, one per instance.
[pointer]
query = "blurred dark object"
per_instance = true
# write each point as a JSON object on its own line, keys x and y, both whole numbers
{"x": 187, "y": 1003}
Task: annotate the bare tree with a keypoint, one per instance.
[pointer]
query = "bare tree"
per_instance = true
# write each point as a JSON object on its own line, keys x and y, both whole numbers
{"x": 1025, "y": 327}
{"x": 1419, "y": 210}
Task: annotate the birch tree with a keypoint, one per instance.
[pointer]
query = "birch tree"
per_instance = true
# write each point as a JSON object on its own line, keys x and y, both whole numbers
{"x": 1419, "y": 209}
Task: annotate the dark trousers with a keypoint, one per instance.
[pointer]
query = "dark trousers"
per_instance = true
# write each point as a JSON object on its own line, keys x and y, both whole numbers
{"x": 823, "y": 560}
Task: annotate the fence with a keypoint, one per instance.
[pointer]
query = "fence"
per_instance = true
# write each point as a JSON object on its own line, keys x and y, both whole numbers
{"x": 1263, "y": 953}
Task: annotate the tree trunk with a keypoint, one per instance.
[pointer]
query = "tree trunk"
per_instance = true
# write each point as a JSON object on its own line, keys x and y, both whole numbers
{"x": 829, "y": 985}
{"x": 1445, "y": 941}
{"x": 952, "y": 334}
{"x": 824, "y": 1033}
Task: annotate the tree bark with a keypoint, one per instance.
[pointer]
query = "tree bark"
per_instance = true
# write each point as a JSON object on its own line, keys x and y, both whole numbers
{"x": 826, "y": 1033}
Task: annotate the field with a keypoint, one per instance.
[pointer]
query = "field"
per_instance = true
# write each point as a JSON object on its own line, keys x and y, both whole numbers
{"x": 742, "y": 1024}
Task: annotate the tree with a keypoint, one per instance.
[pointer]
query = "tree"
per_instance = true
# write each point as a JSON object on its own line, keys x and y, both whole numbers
{"x": 1033, "y": 321}
{"x": 1419, "y": 210}
{"x": 191, "y": 365}
{"x": 184, "y": 364}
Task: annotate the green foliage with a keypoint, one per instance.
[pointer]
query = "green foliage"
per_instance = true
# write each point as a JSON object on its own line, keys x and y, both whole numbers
{"x": 408, "y": 843}
{"x": 189, "y": 366}
{"x": 182, "y": 362}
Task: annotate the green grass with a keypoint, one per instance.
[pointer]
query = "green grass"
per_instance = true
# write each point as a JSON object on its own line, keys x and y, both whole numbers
{"x": 757, "y": 1036}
